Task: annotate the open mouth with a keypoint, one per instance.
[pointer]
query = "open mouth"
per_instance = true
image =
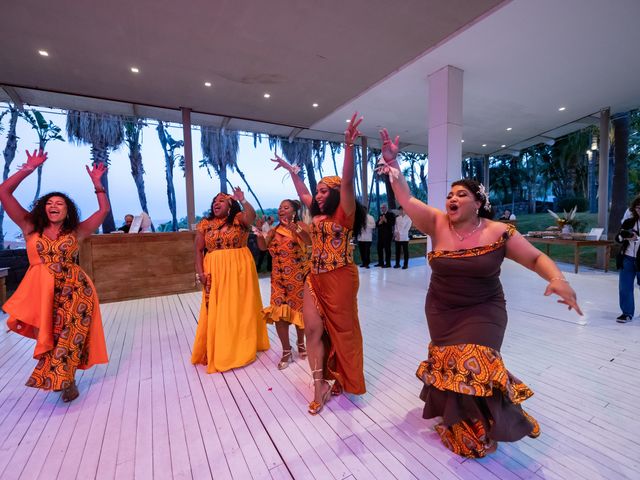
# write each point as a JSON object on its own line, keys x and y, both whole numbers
{"x": 453, "y": 207}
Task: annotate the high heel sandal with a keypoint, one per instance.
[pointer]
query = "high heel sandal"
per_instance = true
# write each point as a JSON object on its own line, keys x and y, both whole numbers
{"x": 302, "y": 350}
{"x": 316, "y": 407}
{"x": 336, "y": 389}
{"x": 285, "y": 360}
{"x": 70, "y": 393}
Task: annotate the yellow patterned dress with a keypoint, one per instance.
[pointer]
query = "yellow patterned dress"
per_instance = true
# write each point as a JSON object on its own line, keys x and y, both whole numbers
{"x": 56, "y": 304}
{"x": 333, "y": 283}
{"x": 231, "y": 329}
{"x": 290, "y": 268}
{"x": 465, "y": 380}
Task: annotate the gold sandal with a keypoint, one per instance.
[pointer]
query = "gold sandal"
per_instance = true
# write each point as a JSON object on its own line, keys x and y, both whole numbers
{"x": 302, "y": 350}
{"x": 316, "y": 407}
{"x": 287, "y": 358}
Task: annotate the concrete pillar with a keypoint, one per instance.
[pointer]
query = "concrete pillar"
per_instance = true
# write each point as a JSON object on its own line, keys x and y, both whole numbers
{"x": 188, "y": 167}
{"x": 363, "y": 172}
{"x": 445, "y": 133}
{"x": 603, "y": 182}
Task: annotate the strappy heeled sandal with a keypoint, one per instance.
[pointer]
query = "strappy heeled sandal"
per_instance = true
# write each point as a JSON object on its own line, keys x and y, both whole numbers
{"x": 302, "y": 350}
{"x": 287, "y": 358}
{"x": 336, "y": 389}
{"x": 70, "y": 393}
{"x": 316, "y": 407}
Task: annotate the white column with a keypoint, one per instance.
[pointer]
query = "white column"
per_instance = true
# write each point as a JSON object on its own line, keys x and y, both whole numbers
{"x": 445, "y": 133}
{"x": 188, "y": 167}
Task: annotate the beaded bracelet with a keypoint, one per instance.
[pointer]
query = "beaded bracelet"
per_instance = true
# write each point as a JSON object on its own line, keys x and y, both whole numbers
{"x": 100, "y": 190}
{"x": 558, "y": 278}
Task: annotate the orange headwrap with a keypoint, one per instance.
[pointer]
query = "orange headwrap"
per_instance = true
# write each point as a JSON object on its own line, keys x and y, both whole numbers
{"x": 225, "y": 196}
{"x": 331, "y": 182}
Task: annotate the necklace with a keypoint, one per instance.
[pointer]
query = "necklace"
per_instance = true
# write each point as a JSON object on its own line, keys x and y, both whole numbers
{"x": 467, "y": 235}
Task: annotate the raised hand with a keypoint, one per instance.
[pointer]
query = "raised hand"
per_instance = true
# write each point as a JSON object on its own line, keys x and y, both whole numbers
{"x": 352, "y": 133}
{"x": 35, "y": 159}
{"x": 565, "y": 292}
{"x": 238, "y": 194}
{"x": 389, "y": 149}
{"x": 95, "y": 172}
{"x": 281, "y": 163}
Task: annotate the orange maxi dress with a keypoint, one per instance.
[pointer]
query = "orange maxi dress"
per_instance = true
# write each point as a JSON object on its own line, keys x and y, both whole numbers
{"x": 231, "y": 328}
{"x": 333, "y": 283}
{"x": 290, "y": 268}
{"x": 56, "y": 304}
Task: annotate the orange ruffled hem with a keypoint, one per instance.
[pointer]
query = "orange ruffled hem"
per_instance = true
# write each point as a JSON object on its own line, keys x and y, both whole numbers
{"x": 283, "y": 313}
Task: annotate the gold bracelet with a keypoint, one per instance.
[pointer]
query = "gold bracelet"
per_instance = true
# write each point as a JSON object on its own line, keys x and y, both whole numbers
{"x": 562, "y": 279}
{"x": 100, "y": 190}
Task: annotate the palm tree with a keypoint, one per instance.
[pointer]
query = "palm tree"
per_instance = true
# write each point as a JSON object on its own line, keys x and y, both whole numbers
{"x": 9, "y": 154}
{"x": 169, "y": 147}
{"x": 299, "y": 153}
{"x": 220, "y": 152}
{"x": 103, "y": 132}
{"x": 132, "y": 130}
{"x": 335, "y": 148}
{"x": 46, "y": 131}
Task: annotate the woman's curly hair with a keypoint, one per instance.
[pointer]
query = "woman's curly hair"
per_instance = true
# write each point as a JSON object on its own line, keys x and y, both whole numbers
{"x": 40, "y": 221}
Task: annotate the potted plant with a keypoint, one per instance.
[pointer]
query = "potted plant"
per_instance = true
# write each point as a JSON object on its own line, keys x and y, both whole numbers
{"x": 566, "y": 221}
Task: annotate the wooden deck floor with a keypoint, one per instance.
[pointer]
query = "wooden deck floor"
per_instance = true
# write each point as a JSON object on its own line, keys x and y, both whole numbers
{"x": 150, "y": 414}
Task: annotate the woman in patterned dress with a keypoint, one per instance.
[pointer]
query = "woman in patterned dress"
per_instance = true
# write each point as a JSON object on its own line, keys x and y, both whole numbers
{"x": 287, "y": 244}
{"x": 465, "y": 380}
{"x": 330, "y": 309}
{"x": 231, "y": 329}
{"x": 56, "y": 303}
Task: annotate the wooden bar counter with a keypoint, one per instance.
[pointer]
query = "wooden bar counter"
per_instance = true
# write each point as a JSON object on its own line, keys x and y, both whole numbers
{"x": 127, "y": 266}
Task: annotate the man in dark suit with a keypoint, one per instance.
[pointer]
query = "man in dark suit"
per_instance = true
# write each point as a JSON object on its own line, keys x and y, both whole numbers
{"x": 386, "y": 224}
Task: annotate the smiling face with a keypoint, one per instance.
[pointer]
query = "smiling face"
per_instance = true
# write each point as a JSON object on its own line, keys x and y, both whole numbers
{"x": 220, "y": 206}
{"x": 461, "y": 204}
{"x": 322, "y": 195}
{"x": 56, "y": 209}
{"x": 286, "y": 211}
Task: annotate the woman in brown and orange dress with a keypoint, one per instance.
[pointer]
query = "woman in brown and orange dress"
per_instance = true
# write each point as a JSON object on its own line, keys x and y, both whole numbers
{"x": 231, "y": 329}
{"x": 465, "y": 380}
{"x": 332, "y": 329}
{"x": 287, "y": 244}
{"x": 56, "y": 303}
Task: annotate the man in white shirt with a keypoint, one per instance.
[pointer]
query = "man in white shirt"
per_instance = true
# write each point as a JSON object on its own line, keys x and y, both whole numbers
{"x": 364, "y": 241}
{"x": 401, "y": 237}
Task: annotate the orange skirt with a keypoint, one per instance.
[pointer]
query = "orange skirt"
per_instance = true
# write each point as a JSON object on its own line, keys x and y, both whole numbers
{"x": 335, "y": 297}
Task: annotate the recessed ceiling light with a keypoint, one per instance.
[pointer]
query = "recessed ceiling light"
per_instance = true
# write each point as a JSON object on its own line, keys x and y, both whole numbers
{"x": 44, "y": 53}
{"x": 484, "y": 144}
{"x": 315, "y": 105}
{"x": 562, "y": 109}
{"x": 502, "y": 146}
{"x": 348, "y": 120}
{"x": 462, "y": 141}
{"x": 509, "y": 129}
{"x": 207, "y": 84}
{"x": 135, "y": 69}
{"x": 267, "y": 95}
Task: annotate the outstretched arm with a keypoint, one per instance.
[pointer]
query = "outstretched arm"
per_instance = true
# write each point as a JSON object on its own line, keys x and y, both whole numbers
{"x": 521, "y": 251}
{"x": 248, "y": 212}
{"x": 16, "y": 212}
{"x": 92, "y": 223}
{"x": 301, "y": 188}
{"x": 423, "y": 216}
{"x": 347, "y": 195}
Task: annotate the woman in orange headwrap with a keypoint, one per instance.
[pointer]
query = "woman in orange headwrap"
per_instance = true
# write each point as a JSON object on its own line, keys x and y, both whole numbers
{"x": 332, "y": 329}
{"x": 56, "y": 303}
{"x": 287, "y": 244}
{"x": 231, "y": 329}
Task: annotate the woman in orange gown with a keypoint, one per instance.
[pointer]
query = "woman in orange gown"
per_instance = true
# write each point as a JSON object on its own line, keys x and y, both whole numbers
{"x": 56, "y": 303}
{"x": 231, "y": 329}
{"x": 332, "y": 328}
{"x": 287, "y": 244}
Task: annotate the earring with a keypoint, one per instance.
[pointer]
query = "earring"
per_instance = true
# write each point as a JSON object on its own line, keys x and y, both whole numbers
{"x": 477, "y": 211}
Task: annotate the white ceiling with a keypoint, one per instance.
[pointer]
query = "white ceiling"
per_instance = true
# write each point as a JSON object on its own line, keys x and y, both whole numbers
{"x": 522, "y": 59}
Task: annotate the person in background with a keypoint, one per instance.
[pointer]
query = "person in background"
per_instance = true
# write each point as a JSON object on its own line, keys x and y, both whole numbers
{"x": 56, "y": 303}
{"x": 628, "y": 261}
{"x": 401, "y": 237}
{"x": 507, "y": 215}
{"x": 386, "y": 224}
{"x": 364, "y": 241}
{"x": 128, "y": 218}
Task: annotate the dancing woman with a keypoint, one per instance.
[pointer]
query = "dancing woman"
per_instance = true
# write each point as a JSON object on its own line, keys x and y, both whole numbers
{"x": 332, "y": 329}
{"x": 287, "y": 244}
{"x": 56, "y": 303}
{"x": 465, "y": 380}
{"x": 231, "y": 329}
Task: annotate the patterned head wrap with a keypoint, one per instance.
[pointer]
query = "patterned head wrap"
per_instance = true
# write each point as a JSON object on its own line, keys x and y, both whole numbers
{"x": 224, "y": 196}
{"x": 332, "y": 182}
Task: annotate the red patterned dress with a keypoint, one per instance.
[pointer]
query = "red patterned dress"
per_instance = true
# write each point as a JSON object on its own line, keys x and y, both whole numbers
{"x": 290, "y": 268}
{"x": 465, "y": 380}
{"x": 57, "y": 305}
{"x": 334, "y": 284}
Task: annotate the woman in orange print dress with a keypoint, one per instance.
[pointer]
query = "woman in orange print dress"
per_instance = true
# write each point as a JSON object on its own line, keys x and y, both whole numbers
{"x": 231, "y": 329}
{"x": 287, "y": 244}
{"x": 464, "y": 378}
{"x": 332, "y": 329}
{"x": 56, "y": 303}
